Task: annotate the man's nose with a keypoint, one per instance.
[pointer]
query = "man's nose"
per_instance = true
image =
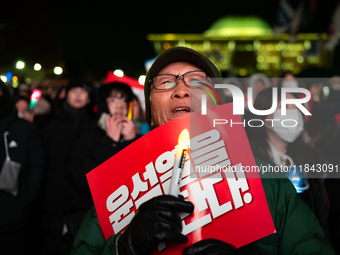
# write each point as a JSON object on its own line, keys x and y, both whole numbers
{"x": 181, "y": 90}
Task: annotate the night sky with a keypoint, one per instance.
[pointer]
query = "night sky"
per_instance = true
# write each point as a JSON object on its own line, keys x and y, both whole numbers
{"x": 92, "y": 37}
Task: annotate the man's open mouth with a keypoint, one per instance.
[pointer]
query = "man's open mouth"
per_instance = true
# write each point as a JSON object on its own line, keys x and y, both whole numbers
{"x": 180, "y": 109}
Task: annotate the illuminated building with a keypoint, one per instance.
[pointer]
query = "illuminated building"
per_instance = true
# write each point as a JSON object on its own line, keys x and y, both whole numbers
{"x": 245, "y": 45}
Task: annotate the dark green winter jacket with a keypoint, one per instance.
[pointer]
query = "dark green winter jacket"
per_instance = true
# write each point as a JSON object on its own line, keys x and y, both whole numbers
{"x": 297, "y": 229}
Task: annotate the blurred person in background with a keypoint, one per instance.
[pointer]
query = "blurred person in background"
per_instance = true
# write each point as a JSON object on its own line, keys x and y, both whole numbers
{"x": 258, "y": 81}
{"x": 22, "y": 105}
{"x": 20, "y": 227}
{"x": 228, "y": 97}
{"x": 113, "y": 106}
{"x": 39, "y": 115}
{"x": 321, "y": 126}
{"x": 138, "y": 117}
{"x": 288, "y": 80}
{"x": 334, "y": 96}
{"x": 323, "y": 133}
{"x": 73, "y": 116}
{"x": 334, "y": 100}
{"x": 333, "y": 184}
{"x": 113, "y": 132}
{"x": 59, "y": 95}
{"x": 42, "y": 113}
{"x": 23, "y": 90}
{"x": 278, "y": 145}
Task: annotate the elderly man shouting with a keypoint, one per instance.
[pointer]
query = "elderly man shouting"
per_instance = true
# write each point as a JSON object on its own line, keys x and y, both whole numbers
{"x": 167, "y": 96}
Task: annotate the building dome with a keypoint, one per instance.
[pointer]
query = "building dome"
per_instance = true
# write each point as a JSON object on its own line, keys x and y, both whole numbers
{"x": 234, "y": 26}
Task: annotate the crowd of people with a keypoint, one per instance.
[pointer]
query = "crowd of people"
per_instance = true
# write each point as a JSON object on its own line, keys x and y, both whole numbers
{"x": 78, "y": 132}
{"x": 47, "y": 207}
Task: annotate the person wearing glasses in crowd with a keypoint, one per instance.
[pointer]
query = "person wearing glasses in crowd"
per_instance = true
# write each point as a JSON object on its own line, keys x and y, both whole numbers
{"x": 167, "y": 97}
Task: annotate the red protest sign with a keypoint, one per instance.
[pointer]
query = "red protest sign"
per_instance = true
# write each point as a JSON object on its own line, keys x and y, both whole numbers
{"x": 229, "y": 206}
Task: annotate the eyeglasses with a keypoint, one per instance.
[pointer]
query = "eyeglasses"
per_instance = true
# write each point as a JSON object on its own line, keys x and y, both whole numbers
{"x": 192, "y": 78}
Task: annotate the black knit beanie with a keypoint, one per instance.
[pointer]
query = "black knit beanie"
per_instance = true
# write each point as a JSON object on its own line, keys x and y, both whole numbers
{"x": 77, "y": 82}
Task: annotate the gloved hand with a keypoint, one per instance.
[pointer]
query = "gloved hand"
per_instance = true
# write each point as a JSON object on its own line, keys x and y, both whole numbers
{"x": 210, "y": 247}
{"x": 249, "y": 249}
{"x": 156, "y": 221}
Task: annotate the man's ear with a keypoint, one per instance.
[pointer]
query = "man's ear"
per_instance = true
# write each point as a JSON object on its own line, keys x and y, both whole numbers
{"x": 152, "y": 124}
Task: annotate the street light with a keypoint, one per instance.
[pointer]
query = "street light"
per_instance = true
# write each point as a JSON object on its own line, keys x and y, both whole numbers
{"x": 141, "y": 79}
{"x": 15, "y": 81}
{"x": 3, "y": 78}
{"x": 37, "y": 67}
{"x": 58, "y": 70}
{"x": 20, "y": 65}
{"x": 118, "y": 73}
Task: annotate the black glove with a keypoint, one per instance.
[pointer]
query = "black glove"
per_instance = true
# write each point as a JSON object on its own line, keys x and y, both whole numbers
{"x": 156, "y": 221}
{"x": 249, "y": 249}
{"x": 210, "y": 247}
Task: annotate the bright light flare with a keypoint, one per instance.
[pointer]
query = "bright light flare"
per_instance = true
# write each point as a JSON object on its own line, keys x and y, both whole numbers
{"x": 181, "y": 152}
{"x": 58, "y": 70}
{"x": 118, "y": 73}
{"x": 3, "y": 78}
{"x": 184, "y": 137}
{"x": 141, "y": 79}
{"x": 37, "y": 67}
{"x": 20, "y": 65}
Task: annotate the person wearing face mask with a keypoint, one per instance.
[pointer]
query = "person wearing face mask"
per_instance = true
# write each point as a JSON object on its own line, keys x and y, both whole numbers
{"x": 280, "y": 142}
